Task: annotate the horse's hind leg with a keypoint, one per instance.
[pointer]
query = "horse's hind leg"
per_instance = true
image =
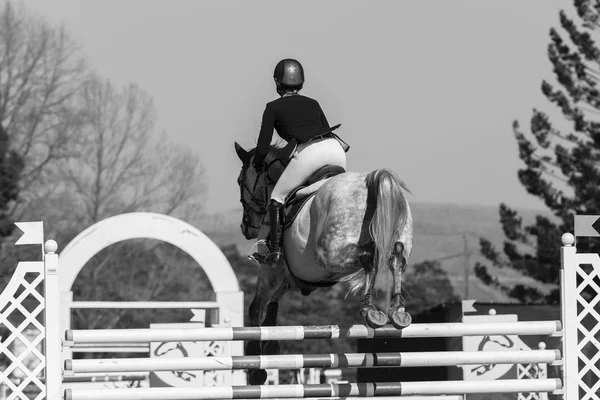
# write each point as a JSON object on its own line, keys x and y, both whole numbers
{"x": 373, "y": 317}
{"x": 397, "y": 314}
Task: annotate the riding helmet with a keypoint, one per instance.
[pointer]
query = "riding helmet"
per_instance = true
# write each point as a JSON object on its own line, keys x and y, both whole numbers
{"x": 289, "y": 72}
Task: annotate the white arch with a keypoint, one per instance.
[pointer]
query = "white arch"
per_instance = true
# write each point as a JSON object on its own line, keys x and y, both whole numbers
{"x": 152, "y": 226}
{"x": 142, "y": 225}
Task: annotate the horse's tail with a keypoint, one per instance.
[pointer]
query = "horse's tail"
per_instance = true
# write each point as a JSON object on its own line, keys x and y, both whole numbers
{"x": 390, "y": 216}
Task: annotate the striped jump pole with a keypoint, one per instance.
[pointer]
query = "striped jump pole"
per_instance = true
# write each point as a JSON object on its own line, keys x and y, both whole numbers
{"x": 294, "y": 361}
{"x": 452, "y": 329}
{"x": 320, "y": 390}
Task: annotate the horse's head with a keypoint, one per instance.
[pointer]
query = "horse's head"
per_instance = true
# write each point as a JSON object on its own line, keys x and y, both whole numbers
{"x": 256, "y": 188}
{"x": 253, "y": 194}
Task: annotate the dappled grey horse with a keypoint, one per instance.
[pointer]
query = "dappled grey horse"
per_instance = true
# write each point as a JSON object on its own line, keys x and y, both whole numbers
{"x": 354, "y": 224}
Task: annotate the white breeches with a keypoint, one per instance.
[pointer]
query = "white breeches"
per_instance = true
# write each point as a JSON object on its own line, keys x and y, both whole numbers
{"x": 309, "y": 158}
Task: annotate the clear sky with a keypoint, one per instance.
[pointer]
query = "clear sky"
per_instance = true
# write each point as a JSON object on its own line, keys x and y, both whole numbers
{"x": 426, "y": 88}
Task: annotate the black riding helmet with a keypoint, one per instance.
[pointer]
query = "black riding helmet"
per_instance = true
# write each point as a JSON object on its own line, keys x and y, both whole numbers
{"x": 289, "y": 73}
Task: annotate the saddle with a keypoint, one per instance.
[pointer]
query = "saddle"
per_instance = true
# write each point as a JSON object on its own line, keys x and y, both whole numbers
{"x": 294, "y": 202}
{"x": 299, "y": 196}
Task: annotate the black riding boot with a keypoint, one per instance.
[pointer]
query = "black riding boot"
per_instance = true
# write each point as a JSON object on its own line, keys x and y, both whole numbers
{"x": 275, "y": 220}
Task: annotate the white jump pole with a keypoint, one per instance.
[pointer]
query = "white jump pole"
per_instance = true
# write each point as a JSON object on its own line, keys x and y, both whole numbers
{"x": 292, "y": 361}
{"x": 320, "y": 391}
{"x": 451, "y": 329}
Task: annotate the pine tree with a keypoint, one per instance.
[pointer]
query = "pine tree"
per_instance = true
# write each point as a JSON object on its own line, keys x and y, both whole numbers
{"x": 562, "y": 161}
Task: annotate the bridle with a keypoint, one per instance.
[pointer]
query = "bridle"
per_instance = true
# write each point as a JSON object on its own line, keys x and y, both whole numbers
{"x": 258, "y": 203}
{"x": 261, "y": 201}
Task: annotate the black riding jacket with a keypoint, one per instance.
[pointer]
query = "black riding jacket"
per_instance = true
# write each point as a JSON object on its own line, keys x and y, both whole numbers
{"x": 294, "y": 116}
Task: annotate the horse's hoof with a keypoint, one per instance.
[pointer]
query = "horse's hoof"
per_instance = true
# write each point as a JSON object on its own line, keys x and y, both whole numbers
{"x": 375, "y": 319}
{"x": 270, "y": 348}
{"x": 401, "y": 319}
{"x": 257, "y": 377}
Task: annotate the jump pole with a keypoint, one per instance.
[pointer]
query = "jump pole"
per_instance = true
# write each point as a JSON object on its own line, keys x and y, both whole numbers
{"x": 450, "y": 329}
{"x": 293, "y": 361}
{"x": 320, "y": 390}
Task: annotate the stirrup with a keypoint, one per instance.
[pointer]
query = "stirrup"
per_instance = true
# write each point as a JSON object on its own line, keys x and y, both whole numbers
{"x": 263, "y": 259}
{"x": 259, "y": 251}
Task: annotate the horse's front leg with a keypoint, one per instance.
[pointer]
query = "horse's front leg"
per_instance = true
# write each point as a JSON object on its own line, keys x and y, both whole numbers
{"x": 373, "y": 317}
{"x": 271, "y": 347}
{"x": 397, "y": 313}
{"x": 255, "y": 311}
{"x": 269, "y": 282}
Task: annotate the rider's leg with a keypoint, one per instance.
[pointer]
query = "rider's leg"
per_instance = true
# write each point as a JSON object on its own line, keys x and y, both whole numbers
{"x": 309, "y": 159}
{"x": 311, "y": 156}
{"x": 275, "y": 222}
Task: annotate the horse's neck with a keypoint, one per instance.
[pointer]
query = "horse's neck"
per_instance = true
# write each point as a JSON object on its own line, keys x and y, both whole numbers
{"x": 276, "y": 169}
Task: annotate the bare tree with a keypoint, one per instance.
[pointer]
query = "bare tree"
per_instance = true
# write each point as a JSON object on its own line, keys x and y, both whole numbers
{"x": 120, "y": 163}
{"x": 91, "y": 151}
{"x": 41, "y": 70}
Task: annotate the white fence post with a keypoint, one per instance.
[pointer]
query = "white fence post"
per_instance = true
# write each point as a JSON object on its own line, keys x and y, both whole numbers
{"x": 569, "y": 293}
{"x": 52, "y": 322}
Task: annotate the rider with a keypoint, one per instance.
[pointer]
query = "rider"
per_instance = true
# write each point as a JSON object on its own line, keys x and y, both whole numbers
{"x": 295, "y": 116}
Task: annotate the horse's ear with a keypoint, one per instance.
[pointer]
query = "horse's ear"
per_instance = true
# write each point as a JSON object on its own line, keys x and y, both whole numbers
{"x": 242, "y": 154}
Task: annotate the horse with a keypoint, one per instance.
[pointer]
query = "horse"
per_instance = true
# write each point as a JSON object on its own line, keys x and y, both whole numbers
{"x": 352, "y": 225}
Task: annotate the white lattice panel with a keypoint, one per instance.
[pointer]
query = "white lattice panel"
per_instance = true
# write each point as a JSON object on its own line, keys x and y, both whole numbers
{"x": 21, "y": 348}
{"x": 588, "y": 327}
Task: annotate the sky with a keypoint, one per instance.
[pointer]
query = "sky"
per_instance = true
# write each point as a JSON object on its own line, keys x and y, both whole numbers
{"x": 428, "y": 89}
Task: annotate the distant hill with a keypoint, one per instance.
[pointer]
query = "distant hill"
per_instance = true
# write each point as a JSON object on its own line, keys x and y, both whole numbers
{"x": 439, "y": 230}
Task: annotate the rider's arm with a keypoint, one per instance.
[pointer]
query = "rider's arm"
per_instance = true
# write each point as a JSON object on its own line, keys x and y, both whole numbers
{"x": 324, "y": 122}
{"x": 265, "y": 135}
